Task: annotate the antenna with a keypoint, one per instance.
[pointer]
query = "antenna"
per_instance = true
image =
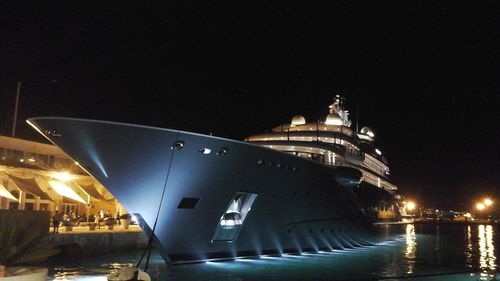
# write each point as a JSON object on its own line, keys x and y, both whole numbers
{"x": 18, "y": 91}
{"x": 357, "y": 118}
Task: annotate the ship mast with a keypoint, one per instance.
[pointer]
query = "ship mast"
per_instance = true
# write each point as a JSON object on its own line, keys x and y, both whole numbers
{"x": 336, "y": 107}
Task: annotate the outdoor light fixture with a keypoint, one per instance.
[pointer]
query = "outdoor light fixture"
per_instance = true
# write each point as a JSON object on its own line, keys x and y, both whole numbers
{"x": 410, "y": 206}
{"x": 488, "y": 202}
{"x": 66, "y": 191}
{"x": 480, "y": 206}
{"x": 5, "y": 193}
{"x": 62, "y": 176}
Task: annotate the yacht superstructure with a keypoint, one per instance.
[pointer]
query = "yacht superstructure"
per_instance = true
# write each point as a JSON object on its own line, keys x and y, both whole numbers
{"x": 332, "y": 142}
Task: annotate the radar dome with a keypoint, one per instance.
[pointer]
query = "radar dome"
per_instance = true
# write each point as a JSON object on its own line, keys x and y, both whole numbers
{"x": 298, "y": 120}
{"x": 367, "y": 131}
{"x": 334, "y": 119}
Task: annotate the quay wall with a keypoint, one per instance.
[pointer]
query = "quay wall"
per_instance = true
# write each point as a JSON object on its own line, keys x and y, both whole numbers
{"x": 34, "y": 220}
{"x": 91, "y": 244}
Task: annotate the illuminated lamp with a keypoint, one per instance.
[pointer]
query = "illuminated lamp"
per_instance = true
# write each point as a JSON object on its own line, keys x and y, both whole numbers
{"x": 480, "y": 206}
{"x": 488, "y": 202}
{"x": 66, "y": 191}
{"x": 410, "y": 206}
{"x": 62, "y": 176}
{"x": 5, "y": 193}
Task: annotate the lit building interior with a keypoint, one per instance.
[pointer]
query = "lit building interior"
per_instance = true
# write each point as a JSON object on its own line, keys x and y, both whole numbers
{"x": 38, "y": 176}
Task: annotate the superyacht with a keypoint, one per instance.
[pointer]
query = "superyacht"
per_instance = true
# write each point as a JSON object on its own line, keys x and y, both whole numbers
{"x": 300, "y": 188}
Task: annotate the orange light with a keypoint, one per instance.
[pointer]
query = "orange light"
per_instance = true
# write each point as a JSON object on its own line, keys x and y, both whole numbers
{"x": 410, "y": 206}
{"x": 488, "y": 202}
{"x": 65, "y": 190}
{"x": 480, "y": 206}
{"x": 5, "y": 193}
{"x": 62, "y": 176}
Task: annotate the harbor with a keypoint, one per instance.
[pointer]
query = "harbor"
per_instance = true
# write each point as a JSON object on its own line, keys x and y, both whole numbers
{"x": 420, "y": 253}
{"x": 244, "y": 141}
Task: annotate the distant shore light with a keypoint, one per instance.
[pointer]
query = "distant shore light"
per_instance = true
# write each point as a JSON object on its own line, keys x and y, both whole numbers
{"x": 480, "y": 206}
{"x": 488, "y": 202}
{"x": 411, "y": 206}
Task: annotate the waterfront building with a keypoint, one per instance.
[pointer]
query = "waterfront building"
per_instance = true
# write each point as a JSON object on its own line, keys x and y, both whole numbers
{"x": 38, "y": 176}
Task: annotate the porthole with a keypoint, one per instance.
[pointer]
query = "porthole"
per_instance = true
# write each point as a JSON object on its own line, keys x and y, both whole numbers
{"x": 205, "y": 150}
{"x": 222, "y": 151}
{"x": 178, "y": 145}
{"x": 278, "y": 165}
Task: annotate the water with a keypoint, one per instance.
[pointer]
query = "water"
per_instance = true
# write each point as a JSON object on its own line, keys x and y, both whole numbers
{"x": 421, "y": 252}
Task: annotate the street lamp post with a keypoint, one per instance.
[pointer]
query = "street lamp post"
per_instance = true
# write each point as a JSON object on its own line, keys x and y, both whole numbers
{"x": 484, "y": 205}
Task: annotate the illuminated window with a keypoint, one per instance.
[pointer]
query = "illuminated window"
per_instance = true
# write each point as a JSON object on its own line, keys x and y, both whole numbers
{"x": 305, "y": 155}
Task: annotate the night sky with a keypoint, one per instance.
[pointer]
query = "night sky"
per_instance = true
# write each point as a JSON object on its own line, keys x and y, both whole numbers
{"x": 425, "y": 77}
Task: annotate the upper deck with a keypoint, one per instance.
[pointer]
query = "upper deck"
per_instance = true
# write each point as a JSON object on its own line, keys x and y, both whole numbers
{"x": 331, "y": 142}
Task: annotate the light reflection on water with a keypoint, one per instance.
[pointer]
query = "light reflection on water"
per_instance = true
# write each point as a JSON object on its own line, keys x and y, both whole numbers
{"x": 411, "y": 247}
{"x": 422, "y": 252}
{"x": 469, "y": 249}
{"x": 487, "y": 259}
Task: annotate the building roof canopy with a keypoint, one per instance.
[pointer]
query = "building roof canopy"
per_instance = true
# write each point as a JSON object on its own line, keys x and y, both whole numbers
{"x": 29, "y": 185}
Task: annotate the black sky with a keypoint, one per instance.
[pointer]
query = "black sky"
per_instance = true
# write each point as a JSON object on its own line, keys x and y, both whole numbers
{"x": 425, "y": 75}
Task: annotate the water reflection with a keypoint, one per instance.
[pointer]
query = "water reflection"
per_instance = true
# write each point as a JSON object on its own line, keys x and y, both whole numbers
{"x": 464, "y": 248}
{"x": 411, "y": 245}
{"x": 469, "y": 249}
{"x": 487, "y": 258}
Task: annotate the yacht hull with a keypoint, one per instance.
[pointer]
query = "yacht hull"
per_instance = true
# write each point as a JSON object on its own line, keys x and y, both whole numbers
{"x": 186, "y": 182}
